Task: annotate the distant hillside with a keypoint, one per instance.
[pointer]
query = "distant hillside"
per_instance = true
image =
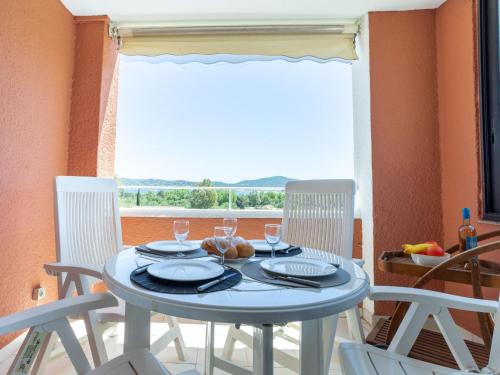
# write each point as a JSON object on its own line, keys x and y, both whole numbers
{"x": 274, "y": 181}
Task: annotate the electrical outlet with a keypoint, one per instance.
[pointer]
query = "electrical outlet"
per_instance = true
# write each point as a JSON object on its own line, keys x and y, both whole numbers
{"x": 38, "y": 293}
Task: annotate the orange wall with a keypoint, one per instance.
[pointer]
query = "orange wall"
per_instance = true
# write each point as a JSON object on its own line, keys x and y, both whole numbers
{"x": 36, "y": 67}
{"x": 459, "y": 126}
{"x": 425, "y": 130}
{"x": 405, "y": 136}
{"x": 95, "y": 60}
{"x": 139, "y": 230}
{"x": 107, "y": 134}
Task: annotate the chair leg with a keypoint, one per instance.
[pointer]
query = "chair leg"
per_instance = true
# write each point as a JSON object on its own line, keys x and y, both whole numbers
{"x": 114, "y": 330}
{"x": 21, "y": 361}
{"x": 94, "y": 329}
{"x": 180, "y": 347}
{"x": 71, "y": 344}
{"x": 44, "y": 355}
{"x": 96, "y": 342}
{"x": 237, "y": 335}
{"x": 227, "y": 352}
{"x": 354, "y": 324}
{"x": 280, "y": 332}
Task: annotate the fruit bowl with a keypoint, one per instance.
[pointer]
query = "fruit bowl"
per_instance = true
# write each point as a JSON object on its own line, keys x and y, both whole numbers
{"x": 429, "y": 260}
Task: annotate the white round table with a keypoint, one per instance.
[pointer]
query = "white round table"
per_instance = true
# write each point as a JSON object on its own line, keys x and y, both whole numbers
{"x": 250, "y": 302}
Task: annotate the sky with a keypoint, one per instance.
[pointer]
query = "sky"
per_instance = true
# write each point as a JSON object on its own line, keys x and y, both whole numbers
{"x": 234, "y": 121}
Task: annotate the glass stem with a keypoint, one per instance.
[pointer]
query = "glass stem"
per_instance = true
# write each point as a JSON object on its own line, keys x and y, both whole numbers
{"x": 272, "y": 251}
{"x": 222, "y": 258}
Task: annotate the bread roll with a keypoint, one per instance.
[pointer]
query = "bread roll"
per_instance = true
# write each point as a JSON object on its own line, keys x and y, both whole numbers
{"x": 208, "y": 244}
{"x": 231, "y": 253}
{"x": 244, "y": 248}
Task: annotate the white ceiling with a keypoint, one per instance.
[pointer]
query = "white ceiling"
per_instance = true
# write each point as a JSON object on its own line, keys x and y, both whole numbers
{"x": 229, "y": 10}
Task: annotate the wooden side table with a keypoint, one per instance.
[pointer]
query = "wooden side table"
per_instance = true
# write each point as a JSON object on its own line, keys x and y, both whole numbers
{"x": 465, "y": 268}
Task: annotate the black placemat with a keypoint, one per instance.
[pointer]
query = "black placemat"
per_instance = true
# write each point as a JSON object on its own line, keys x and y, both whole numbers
{"x": 256, "y": 272}
{"x": 278, "y": 253}
{"x": 149, "y": 282}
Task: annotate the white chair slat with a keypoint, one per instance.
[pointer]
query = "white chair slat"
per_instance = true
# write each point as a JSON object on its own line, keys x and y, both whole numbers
{"x": 412, "y": 369}
{"x": 362, "y": 359}
{"x": 384, "y": 365}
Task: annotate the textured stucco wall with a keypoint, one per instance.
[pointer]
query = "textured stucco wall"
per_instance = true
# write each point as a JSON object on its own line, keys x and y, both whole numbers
{"x": 95, "y": 60}
{"x": 405, "y": 134}
{"x": 36, "y": 67}
{"x": 435, "y": 78}
{"x": 107, "y": 134}
{"x": 458, "y": 90}
{"x": 138, "y": 230}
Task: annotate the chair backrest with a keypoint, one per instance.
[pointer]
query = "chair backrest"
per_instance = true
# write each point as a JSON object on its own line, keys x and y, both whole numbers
{"x": 320, "y": 214}
{"x": 88, "y": 227}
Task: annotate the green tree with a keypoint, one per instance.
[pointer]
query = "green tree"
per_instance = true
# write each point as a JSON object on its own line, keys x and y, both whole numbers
{"x": 203, "y": 198}
{"x": 223, "y": 198}
{"x": 206, "y": 182}
{"x": 254, "y": 199}
{"x": 265, "y": 199}
{"x": 242, "y": 201}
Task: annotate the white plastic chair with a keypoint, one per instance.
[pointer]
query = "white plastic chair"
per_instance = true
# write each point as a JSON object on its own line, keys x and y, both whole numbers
{"x": 88, "y": 230}
{"x": 47, "y": 319}
{"x": 363, "y": 359}
{"x": 318, "y": 214}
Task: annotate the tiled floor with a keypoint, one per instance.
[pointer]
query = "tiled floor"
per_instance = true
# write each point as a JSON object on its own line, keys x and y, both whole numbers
{"x": 194, "y": 337}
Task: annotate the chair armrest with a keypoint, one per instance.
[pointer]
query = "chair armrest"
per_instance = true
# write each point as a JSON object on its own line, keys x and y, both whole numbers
{"x": 430, "y": 297}
{"x": 54, "y": 311}
{"x": 58, "y": 267}
{"x": 359, "y": 262}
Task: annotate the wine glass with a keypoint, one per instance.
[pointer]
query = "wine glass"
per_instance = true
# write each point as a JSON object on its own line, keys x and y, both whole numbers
{"x": 232, "y": 224}
{"x": 222, "y": 240}
{"x": 272, "y": 233}
{"x": 181, "y": 231}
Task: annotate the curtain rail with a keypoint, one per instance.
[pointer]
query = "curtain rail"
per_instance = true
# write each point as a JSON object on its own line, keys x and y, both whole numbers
{"x": 142, "y": 31}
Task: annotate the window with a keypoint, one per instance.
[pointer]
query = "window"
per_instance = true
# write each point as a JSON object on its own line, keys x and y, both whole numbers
{"x": 490, "y": 107}
{"x": 247, "y": 123}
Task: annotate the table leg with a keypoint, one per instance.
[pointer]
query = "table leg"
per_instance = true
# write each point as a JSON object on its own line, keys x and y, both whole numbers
{"x": 209, "y": 349}
{"x": 263, "y": 350}
{"x": 316, "y": 345}
{"x": 137, "y": 328}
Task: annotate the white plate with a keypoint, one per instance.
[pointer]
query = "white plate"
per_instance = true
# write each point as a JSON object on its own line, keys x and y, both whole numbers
{"x": 172, "y": 246}
{"x": 299, "y": 267}
{"x": 429, "y": 260}
{"x": 262, "y": 245}
{"x": 185, "y": 270}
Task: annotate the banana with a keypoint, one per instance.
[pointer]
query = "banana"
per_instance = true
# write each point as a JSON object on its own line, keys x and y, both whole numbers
{"x": 415, "y": 249}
